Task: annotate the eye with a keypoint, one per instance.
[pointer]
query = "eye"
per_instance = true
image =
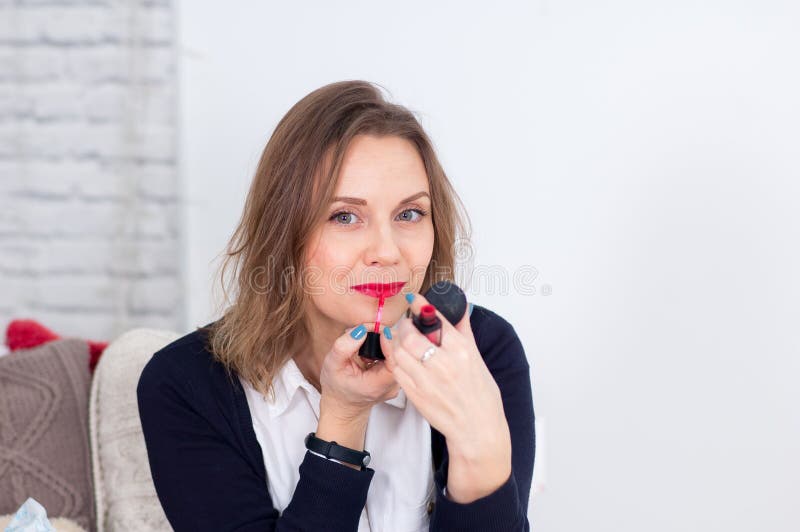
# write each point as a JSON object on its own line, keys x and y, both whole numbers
{"x": 409, "y": 218}
{"x": 341, "y": 217}
{"x": 346, "y": 217}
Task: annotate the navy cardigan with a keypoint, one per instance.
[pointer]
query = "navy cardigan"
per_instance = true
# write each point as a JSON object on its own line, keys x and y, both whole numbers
{"x": 208, "y": 469}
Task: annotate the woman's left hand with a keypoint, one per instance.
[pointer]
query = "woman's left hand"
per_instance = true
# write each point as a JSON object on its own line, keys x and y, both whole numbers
{"x": 453, "y": 390}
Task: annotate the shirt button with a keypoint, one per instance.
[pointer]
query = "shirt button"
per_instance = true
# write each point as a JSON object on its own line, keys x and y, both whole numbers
{"x": 430, "y": 507}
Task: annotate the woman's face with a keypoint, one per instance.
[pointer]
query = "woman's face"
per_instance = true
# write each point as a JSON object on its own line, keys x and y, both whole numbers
{"x": 377, "y": 230}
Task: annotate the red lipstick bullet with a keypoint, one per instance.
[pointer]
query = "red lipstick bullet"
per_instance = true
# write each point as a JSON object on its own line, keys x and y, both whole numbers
{"x": 429, "y": 324}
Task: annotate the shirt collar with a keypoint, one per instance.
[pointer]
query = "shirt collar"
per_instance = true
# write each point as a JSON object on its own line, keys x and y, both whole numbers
{"x": 290, "y": 379}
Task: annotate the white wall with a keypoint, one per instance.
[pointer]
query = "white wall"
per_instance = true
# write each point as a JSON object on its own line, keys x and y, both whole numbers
{"x": 641, "y": 156}
{"x": 89, "y": 236}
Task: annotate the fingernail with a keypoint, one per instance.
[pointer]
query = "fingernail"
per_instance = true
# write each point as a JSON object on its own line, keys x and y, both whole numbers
{"x": 387, "y": 332}
{"x": 409, "y": 297}
{"x": 358, "y": 332}
{"x": 471, "y": 307}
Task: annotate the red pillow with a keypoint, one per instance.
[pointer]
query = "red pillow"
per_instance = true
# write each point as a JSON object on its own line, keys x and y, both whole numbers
{"x": 24, "y": 334}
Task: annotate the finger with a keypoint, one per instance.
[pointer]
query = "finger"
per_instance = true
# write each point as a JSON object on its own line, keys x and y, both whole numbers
{"x": 415, "y": 345}
{"x": 448, "y": 330}
{"x": 361, "y": 365}
{"x": 388, "y": 348}
{"x": 364, "y": 363}
{"x": 382, "y": 371}
{"x": 406, "y": 383}
{"x": 346, "y": 345}
{"x": 465, "y": 325}
{"x": 387, "y": 345}
{"x": 409, "y": 362}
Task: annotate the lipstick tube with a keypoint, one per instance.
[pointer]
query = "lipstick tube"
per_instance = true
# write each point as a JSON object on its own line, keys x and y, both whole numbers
{"x": 429, "y": 324}
{"x": 371, "y": 348}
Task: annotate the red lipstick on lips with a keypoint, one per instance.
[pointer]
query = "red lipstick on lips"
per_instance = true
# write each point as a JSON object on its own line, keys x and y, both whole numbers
{"x": 380, "y": 291}
{"x": 371, "y": 348}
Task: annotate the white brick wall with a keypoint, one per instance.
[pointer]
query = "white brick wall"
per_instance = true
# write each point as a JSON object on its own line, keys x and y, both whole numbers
{"x": 89, "y": 236}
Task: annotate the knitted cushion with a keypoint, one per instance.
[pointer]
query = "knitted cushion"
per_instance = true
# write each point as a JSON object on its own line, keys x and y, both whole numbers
{"x": 44, "y": 440}
{"x": 124, "y": 492}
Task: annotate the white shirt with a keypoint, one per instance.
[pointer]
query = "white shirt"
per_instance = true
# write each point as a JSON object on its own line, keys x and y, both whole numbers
{"x": 398, "y": 439}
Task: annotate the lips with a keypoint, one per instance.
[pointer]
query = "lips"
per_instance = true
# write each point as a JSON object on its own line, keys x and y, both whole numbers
{"x": 380, "y": 290}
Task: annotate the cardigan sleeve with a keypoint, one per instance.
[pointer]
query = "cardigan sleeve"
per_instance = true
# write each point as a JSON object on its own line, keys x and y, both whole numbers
{"x": 205, "y": 483}
{"x": 506, "y": 508}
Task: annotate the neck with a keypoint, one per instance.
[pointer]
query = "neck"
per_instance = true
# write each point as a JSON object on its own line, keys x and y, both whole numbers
{"x": 309, "y": 358}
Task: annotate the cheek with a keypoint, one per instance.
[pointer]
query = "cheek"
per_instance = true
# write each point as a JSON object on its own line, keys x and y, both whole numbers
{"x": 329, "y": 268}
{"x": 419, "y": 247}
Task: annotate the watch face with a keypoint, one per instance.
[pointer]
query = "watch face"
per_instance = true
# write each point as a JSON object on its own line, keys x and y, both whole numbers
{"x": 366, "y": 461}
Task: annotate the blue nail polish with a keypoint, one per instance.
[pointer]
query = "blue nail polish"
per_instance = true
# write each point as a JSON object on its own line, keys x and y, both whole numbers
{"x": 387, "y": 332}
{"x": 471, "y": 307}
{"x": 409, "y": 297}
{"x": 358, "y": 332}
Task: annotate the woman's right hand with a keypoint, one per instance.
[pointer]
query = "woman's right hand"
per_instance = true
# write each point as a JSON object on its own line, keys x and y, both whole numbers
{"x": 348, "y": 387}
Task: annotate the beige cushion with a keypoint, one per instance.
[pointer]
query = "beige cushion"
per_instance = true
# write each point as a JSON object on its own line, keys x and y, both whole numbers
{"x": 124, "y": 493}
{"x": 44, "y": 441}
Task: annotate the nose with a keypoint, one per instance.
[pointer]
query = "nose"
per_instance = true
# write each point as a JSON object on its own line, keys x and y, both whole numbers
{"x": 382, "y": 249}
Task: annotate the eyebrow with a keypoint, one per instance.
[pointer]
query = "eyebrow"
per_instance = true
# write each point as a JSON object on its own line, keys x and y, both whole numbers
{"x": 359, "y": 201}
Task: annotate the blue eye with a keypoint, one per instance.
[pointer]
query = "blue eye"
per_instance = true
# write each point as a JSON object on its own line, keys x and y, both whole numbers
{"x": 345, "y": 217}
{"x": 420, "y": 212}
{"x": 341, "y": 216}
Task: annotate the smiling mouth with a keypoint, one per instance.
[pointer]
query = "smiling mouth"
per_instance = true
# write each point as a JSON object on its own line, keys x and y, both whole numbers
{"x": 380, "y": 290}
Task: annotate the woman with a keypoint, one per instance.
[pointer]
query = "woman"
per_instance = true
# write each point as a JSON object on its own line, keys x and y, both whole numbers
{"x": 348, "y": 191}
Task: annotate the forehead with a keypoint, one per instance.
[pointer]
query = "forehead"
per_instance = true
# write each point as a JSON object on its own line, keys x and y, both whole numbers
{"x": 381, "y": 165}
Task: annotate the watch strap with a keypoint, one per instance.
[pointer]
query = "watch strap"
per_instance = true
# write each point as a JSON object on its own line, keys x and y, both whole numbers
{"x": 332, "y": 450}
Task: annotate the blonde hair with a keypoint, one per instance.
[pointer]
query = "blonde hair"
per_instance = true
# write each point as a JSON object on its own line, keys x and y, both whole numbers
{"x": 264, "y": 299}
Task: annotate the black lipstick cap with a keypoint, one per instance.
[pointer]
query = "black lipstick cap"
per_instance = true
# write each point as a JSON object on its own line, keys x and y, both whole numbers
{"x": 371, "y": 348}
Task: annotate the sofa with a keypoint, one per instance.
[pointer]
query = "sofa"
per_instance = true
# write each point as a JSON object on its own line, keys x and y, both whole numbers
{"x": 71, "y": 437}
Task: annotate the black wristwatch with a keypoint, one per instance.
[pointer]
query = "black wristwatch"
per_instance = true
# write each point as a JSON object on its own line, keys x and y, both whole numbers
{"x": 331, "y": 449}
